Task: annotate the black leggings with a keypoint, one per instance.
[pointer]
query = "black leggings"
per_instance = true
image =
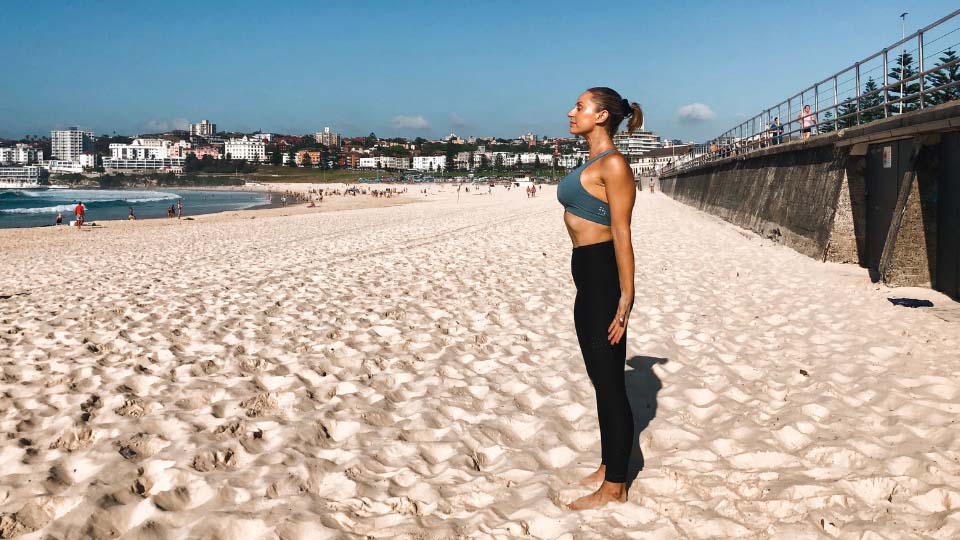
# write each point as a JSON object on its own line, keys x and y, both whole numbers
{"x": 598, "y": 293}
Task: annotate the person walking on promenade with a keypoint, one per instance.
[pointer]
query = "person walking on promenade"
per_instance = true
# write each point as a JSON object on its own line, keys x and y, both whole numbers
{"x": 776, "y": 131}
{"x": 598, "y": 198}
{"x": 808, "y": 122}
{"x": 79, "y": 212}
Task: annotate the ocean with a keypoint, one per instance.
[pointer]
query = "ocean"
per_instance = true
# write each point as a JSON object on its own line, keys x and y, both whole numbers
{"x": 39, "y": 207}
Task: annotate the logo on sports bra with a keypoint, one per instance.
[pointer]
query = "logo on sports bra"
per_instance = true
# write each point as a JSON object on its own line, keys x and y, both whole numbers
{"x": 602, "y": 211}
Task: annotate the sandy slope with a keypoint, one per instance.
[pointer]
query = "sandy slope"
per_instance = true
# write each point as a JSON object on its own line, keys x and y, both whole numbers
{"x": 412, "y": 372}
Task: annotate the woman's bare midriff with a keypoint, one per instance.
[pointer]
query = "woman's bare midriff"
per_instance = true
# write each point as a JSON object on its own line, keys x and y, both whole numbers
{"x": 584, "y": 232}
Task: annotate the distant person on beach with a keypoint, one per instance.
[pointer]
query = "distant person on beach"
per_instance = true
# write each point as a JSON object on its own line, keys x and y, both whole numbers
{"x": 651, "y": 184}
{"x": 59, "y": 218}
{"x": 598, "y": 198}
{"x": 179, "y": 208}
{"x": 131, "y": 217}
{"x": 79, "y": 212}
{"x": 808, "y": 122}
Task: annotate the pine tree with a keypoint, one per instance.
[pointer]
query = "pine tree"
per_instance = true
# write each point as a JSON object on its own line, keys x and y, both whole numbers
{"x": 276, "y": 158}
{"x": 291, "y": 159}
{"x": 847, "y": 114}
{"x": 941, "y": 77}
{"x": 828, "y": 124}
{"x": 449, "y": 156}
{"x": 871, "y": 102}
{"x": 903, "y": 71}
{"x": 306, "y": 162}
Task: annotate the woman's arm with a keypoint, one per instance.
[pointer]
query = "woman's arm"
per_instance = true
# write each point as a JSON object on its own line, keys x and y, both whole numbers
{"x": 618, "y": 181}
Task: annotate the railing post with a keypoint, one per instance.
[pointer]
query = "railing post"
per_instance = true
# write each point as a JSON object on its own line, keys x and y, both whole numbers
{"x": 886, "y": 95}
{"x": 816, "y": 104}
{"x": 785, "y": 121}
{"x": 857, "y": 65}
{"x": 920, "y": 51}
{"x": 836, "y": 103}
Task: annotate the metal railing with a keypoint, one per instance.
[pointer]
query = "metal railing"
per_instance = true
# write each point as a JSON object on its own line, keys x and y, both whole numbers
{"x": 852, "y": 97}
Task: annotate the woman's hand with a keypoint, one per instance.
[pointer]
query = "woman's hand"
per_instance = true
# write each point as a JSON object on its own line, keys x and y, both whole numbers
{"x": 619, "y": 325}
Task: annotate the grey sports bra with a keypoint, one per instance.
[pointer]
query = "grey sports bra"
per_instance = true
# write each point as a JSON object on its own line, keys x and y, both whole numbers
{"x": 579, "y": 201}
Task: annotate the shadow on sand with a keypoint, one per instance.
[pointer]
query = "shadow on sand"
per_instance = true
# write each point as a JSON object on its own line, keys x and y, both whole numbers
{"x": 642, "y": 387}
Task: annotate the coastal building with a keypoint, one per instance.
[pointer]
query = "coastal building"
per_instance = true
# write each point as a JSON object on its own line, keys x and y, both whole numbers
{"x": 204, "y": 150}
{"x": 21, "y": 177}
{"x": 316, "y": 157}
{"x": 429, "y": 163}
{"x": 529, "y": 138}
{"x": 637, "y": 143}
{"x": 651, "y": 162}
{"x": 21, "y": 154}
{"x": 63, "y": 166}
{"x": 532, "y": 158}
{"x": 265, "y": 137}
{"x": 246, "y": 148}
{"x": 88, "y": 160}
{"x": 327, "y": 137}
{"x": 203, "y": 129}
{"x": 170, "y": 164}
{"x": 384, "y": 162}
{"x": 141, "y": 149}
{"x": 462, "y": 161}
{"x": 68, "y": 144}
{"x": 349, "y": 160}
{"x": 569, "y": 161}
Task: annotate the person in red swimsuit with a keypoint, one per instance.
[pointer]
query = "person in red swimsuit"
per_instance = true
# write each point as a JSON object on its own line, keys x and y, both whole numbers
{"x": 79, "y": 212}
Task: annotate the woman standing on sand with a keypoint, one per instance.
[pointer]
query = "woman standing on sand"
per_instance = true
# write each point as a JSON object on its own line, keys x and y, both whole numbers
{"x": 598, "y": 199}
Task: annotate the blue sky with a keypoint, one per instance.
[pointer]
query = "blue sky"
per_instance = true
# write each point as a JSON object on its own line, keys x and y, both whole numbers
{"x": 420, "y": 68}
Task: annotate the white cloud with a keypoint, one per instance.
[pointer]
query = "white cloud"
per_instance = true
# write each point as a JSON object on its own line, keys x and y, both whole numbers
{"x": 160, "y": 126}
{"x": 457, "y": 121}
{"x": 410, "y": 122}
{"x": 695, "y": 113}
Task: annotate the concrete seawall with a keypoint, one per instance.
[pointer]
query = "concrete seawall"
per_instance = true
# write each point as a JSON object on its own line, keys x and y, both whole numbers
{"x": 789, "y": 196}
{"x": 875, "y": 195}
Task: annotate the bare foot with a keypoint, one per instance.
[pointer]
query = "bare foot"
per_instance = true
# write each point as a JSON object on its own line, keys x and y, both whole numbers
{"x": 594, "y": 477}
{"x": 608, "y": 493}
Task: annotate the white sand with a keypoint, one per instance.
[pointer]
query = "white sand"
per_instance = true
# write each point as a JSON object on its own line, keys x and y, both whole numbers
{"x": 412, "y": 372}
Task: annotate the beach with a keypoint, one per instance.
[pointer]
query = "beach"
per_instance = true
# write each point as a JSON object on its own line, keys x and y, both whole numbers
{"x": 407, "y": 367}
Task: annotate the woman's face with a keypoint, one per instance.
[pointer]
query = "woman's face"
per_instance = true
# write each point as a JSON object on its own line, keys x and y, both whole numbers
{"x": 584, "y": 115}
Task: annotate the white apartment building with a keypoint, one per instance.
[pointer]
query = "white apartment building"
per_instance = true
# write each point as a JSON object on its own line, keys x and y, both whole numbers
{"x": 174, "y": 165}
{"x": 21, "y": 154}
{"x": 637, "y": 143}
{"x": 142, "y": 149}
{"x": 61, "y": 166}
{"x": 327, "y": 137}
{"x": 531, "y": 158}
{"x": 203, "y": 129}
{"x": 246, "y": 148}
{"x": 429, "y": 163}
{"x": 569, "y": 161}
{"x": 88, "y": 160}
{"x": 68, "y": 144}
{"x": 20, "y": 177}
{"x": 384, "y": 162}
